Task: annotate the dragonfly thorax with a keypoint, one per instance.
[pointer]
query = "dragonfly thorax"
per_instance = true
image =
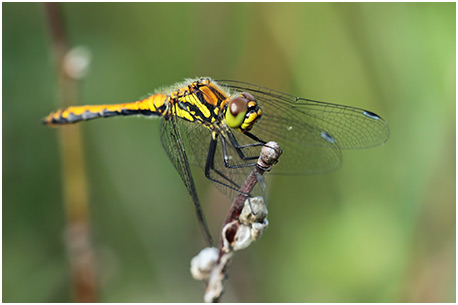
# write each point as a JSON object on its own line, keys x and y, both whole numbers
{"x": 242, "y": 111}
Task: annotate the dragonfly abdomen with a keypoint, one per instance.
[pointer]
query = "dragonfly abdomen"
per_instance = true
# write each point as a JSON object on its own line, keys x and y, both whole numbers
{"x": 154, "y": 105}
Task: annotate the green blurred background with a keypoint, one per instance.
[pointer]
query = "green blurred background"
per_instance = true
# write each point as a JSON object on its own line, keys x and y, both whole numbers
{"x": 380, "y": 229}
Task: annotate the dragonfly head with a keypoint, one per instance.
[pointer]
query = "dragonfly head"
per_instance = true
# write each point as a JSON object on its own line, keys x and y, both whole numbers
{"x": 242, "y": 111}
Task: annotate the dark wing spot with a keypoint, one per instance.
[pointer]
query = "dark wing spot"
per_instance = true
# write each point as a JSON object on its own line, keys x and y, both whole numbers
{"x": 371, "y": 115}
{"x": 325, "y": 135}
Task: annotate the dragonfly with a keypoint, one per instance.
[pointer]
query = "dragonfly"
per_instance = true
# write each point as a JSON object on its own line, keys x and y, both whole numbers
{"x": 221, "y": 126}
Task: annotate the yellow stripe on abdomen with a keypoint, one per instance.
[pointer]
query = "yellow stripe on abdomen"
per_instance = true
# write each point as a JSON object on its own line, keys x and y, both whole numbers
{"x": 154, "y": 105}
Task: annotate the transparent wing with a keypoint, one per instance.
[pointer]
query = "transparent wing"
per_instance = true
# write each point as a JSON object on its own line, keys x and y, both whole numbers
{"x": 172, "y": 143}
{"x": 197, "y": 143}
{"x": 311, "y": 133}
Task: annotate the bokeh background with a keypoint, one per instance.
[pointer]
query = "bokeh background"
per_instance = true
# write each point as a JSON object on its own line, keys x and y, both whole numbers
{"x": 380, "y": 229}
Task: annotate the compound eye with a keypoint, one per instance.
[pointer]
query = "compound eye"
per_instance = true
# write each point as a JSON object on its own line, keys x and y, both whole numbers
{"x": 237, "y": 109}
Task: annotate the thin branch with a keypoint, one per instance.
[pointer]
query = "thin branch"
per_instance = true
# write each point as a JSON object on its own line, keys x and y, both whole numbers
{"x": 73, "y": 165}
{"x": 245, "y": 223}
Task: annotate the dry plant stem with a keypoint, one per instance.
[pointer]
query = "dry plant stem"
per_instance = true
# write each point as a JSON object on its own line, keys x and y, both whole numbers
{"x": 73, "y": 171}
{"x": 239, "y": 200}
{"x": 268, "y": 157}
{"x": 215, "y": 285}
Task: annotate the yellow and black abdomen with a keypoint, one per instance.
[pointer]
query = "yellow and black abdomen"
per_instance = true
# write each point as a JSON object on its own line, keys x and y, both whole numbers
{"x": 154, "y": 105}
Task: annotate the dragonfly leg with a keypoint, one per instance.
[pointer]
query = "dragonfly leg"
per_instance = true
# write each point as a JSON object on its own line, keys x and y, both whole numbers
{"x": 238, "y": 148}
{"x": 252, "y": 136}
{"x": 209, "y": 166}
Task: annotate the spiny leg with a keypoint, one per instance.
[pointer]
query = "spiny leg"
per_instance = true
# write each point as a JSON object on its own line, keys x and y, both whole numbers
{"x": 209, "y": 166}
{"x": 238, "y": 148}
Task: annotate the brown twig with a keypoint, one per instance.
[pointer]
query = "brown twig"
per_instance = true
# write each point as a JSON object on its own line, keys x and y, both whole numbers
{"x": 244, "y": 224}
{"x": 73, "y": 170}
